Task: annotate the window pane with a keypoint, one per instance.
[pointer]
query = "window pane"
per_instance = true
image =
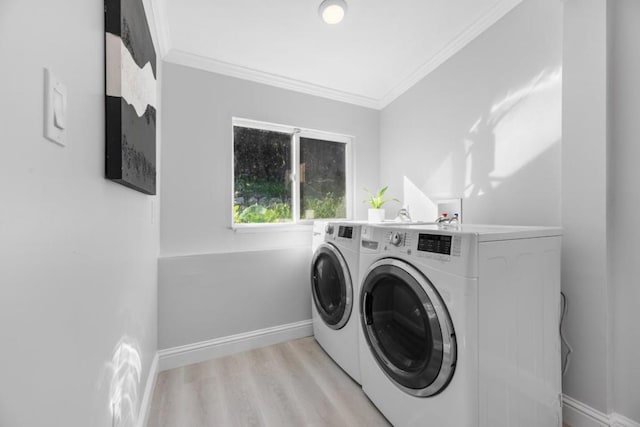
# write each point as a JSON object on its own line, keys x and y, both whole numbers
{"x": 262, "y": 167}
{"x": 322, "y": 179}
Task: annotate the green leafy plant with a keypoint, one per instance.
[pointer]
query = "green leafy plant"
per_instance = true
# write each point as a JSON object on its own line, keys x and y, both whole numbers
{"x": 330, "y": 206}
{"x": 377, "y": 200}
{"x": 277, "y": 212}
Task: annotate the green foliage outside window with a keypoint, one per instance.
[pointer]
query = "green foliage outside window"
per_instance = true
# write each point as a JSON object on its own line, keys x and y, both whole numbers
{"x": 330, "y": 206}
{"x": 263, "y": 174}
{"x": 260, "y": 188}
{"x": 277, "y": 212}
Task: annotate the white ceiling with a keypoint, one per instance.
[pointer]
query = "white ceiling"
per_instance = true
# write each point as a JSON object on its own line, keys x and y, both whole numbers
{"x": 380, "y": 49}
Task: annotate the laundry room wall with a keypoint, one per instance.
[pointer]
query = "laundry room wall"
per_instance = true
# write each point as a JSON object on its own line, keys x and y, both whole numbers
{"x": 600, "y": 267}
{"x": 485, "y": 126}
{"x": 624, "y": 78}
{"x": 587, "y": 187}
{"x": 585, "y": 205}
{"x": 78, "y": 253}
{"x": 214, "y": 281}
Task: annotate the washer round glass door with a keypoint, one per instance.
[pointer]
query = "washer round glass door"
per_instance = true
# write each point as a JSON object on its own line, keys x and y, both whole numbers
{"x": 408, "y": 328}
{"x": 331, "y": 286}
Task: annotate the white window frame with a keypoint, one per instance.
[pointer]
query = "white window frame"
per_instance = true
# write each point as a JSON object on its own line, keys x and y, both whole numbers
{"x": 296, "y": 133}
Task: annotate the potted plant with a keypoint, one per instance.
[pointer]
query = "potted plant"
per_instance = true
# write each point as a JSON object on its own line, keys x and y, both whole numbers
{"x": 376, "y": 201}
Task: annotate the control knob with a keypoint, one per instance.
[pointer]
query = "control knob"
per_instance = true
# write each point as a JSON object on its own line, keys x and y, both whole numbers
{"x": 395, "y": 238}
{"x": 328, "y": 228}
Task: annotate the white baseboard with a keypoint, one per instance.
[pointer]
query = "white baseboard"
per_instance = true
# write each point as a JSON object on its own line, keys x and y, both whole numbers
{"x": 184, "y": 355}
{"x": 578, "y": 414}
{"x": 618, "y": 420}
{"x": 149, "y": 387}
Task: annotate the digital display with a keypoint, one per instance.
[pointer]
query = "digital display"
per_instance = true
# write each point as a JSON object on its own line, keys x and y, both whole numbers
{"x": 436, "y": 243}
{"x": 346, "y": 232}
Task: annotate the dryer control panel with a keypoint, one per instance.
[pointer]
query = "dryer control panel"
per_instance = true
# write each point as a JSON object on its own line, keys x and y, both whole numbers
{"x": 344, "y": 234}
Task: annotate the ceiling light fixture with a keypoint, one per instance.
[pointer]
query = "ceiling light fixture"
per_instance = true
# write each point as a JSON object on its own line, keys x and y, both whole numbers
{"x": 332, "y": 11}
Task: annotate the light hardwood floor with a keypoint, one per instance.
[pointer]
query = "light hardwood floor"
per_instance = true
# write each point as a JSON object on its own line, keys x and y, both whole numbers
{"x": 290, "y": 384}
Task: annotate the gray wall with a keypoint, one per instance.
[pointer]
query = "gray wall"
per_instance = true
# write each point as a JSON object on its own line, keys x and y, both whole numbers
{"x": 78, "y": 253}
{"x": 600, "y": 263}
{"x": 624, "y": 76}
{"x": 215, "y": 295}
{"x": 196, "y": 205}
{"x": 584, "y": 201}
{"x": 485, "y": 126}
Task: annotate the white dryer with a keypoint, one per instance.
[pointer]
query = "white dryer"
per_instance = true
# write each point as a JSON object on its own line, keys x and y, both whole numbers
{"x": 334, "y": 281}
{"x": 459, "y": 326}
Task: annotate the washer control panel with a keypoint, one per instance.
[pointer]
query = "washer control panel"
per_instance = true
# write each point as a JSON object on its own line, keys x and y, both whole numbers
{"x": 435, "y": 243}
{"x": 454, "y": 250}
{"x": 437, "y": 246}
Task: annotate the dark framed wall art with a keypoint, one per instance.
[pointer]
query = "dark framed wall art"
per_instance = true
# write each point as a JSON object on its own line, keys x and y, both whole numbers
{"x": 130, "y": 86}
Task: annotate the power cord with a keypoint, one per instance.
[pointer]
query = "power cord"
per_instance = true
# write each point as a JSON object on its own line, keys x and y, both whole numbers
{"x": 563, "y": 313}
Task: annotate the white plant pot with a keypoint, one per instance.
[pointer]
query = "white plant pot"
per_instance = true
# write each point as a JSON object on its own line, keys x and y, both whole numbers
{"x": 375, "y": 215}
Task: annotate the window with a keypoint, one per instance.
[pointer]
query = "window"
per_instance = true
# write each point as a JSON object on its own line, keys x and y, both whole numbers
{"x": 283, "y": 174}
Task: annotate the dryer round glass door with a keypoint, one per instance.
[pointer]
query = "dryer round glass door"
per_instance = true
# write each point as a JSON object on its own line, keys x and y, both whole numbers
{"x": 331, "y": 286}
{"x": 408, "y": 328}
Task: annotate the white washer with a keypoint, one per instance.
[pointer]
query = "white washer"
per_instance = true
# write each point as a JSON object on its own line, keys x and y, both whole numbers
{"x": 459, "y": 325}
{"x": 334, "y": 280}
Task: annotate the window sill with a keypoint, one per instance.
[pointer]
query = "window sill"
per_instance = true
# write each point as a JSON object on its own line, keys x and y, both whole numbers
{"x": 271, "y": 228}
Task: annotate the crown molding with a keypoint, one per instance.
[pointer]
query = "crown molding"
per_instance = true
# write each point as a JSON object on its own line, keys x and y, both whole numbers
{"x": 157, "y": 18}
{"x": 464, "y": 38}
{"x": 188, "y": 59}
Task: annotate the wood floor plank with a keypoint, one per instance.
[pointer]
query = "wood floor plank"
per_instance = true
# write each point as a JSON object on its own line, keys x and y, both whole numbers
{"x": 290, "y": 384}
{"x": 279, "y": 400}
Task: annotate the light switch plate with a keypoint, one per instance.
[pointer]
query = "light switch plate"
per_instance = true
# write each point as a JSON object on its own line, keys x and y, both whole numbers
{"x": 55, "y": 109}
{"x": 450, "y": 207}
